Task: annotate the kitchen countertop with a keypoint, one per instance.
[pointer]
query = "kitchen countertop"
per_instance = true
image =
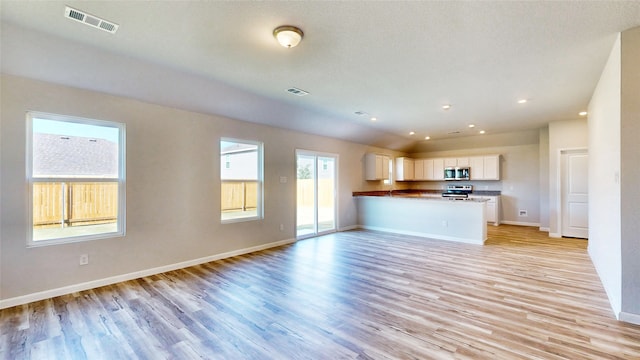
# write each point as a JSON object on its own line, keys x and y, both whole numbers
{"x": 418, "y": 193}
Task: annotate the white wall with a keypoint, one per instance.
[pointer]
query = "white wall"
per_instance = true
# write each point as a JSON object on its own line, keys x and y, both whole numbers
{"x": 519, "y": 170}
{"x": 563, "y": 135}
{"x": 173, "y": 182}
{"x": 604, "y": 184}
{"x": 630, "y": 177}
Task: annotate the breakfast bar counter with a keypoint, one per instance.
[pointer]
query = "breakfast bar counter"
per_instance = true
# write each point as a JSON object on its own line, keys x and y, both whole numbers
{"x": 423, "y": 214}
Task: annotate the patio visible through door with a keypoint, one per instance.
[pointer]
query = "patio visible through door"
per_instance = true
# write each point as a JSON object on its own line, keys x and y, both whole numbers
{"x": 316, "y": 193}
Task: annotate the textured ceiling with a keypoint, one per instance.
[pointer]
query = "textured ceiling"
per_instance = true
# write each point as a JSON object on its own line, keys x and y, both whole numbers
{"x": 397, "y": 61}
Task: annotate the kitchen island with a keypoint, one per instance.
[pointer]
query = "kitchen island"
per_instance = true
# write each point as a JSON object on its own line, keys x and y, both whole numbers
{"x": 420, "y": 214}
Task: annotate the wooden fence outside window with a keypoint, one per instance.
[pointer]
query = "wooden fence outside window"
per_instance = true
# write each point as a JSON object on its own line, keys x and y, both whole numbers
{"x": 74, "y": 203}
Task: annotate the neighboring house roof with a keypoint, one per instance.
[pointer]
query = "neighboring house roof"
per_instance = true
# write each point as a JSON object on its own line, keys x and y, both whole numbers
{"x": 235, "y": 147}
{"x": 74, "y": 156}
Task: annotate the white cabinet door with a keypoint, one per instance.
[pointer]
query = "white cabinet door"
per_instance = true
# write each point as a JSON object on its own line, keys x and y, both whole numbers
{"x": 485, "y": 167}
{"x": 491, "y": 211}
{"x": 492, "y": 167}
{"x": 418, "y": 169}
{"x": 450, "y": 162}
{"x": 376, "y": 167}
{"x": 438, "y": 169}
{"x": 383, "y": 170}
{"x": 463, "y": 162}
{"x": 428, "y": 169}
{"x": 404, "y": 169}
{"x": 476, "y": 164}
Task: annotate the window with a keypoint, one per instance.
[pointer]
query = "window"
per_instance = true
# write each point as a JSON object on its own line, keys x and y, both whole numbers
{"x": 241, "y": 180}
{"x": 75, "y": 171}
{"x": 389, "y": 180}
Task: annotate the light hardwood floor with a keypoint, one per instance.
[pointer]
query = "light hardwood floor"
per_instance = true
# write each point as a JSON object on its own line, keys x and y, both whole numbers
{"x": 350, "y": 295}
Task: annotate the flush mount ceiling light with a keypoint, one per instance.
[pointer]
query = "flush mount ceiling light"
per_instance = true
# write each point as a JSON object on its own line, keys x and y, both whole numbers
{"x": 412, "y": 132}
{"x": 288, "y": 36}
{"x": 446, "y": 106}
{"x": 471, "y": 126}
{"x": 582, "y": 113}
{"x": 522, "y": 101}
{"x": 427, "y": 137}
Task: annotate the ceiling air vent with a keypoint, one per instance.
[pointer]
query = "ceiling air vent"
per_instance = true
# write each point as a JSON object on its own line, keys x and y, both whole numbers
{"x": 90, "y": 20}
{"x": 298, "y": 92}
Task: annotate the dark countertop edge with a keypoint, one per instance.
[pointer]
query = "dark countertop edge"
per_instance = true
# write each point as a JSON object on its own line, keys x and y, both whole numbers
{"x": 487, "y": 192}
{"x": 418, "y": 191}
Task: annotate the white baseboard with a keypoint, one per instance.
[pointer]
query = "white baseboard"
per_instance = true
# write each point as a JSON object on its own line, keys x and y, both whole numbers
{"x": 545, "y": 229}
{"x": 25, "y": 299}
{"x": 629, "y": 317}
{"x": 347, "y": 228}
{"x": 555, "y": 235}
{"x": 520, "y": 223}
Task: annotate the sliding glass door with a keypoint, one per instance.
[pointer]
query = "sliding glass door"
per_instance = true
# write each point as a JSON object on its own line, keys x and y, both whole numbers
{"x": 316, "y": 193}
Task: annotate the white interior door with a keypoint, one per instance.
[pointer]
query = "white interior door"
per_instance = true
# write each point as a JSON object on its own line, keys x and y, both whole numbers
{"x": 574, "y": 193}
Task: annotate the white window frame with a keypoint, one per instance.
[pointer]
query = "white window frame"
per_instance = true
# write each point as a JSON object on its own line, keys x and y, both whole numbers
{"x": 120, "y": 232}
{"x": 260, "y": 186}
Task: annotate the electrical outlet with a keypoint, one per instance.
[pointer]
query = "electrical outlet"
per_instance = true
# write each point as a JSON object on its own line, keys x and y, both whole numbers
{"x": 281, "y": 227}
{"x": 84, "y": 259}
{"x": 522, "y": 213}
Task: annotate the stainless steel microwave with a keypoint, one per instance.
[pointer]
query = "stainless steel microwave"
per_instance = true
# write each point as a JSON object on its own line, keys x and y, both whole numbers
{"x": 457, "y": 173}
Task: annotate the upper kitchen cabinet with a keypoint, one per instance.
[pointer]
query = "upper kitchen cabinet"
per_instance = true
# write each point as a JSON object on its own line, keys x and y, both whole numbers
{"x": 376, "y": 166}
{"x": 485, "y": 167}
{"x": 459, "y": 162}
{"x": 428, "y": 169}
{"x": 438, "y": 169}
{"x": 405, "y": 169}
{"x": 418, "y": 169}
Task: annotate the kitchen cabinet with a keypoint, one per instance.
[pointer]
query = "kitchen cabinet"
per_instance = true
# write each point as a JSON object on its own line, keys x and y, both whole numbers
{"x": 492, "y": 167}
{"x": 424, "y": 169}
{"x": 438, "y": 169}
{"x": 418, "y": 169}
{"x": 459, "y": 162}
{"x": 493, "y": 207}
{"x": 376, "y": 166}
{"x": 404, "y": 169}
{"x": 485, "y": 167}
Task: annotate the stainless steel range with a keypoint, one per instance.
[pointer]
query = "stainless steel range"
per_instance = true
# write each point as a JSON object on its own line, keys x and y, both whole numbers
{"x": 458, "y": 191}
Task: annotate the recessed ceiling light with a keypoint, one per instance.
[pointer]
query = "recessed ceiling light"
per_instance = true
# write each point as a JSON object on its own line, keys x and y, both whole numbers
{"x": 482, "y": 131}
{"x": 522, "y": 101}
{"x": 446, "y": 106}
{"x": 412, "y": 132}
{"x": 427, "y": 137}
{"x": 582, "y": 113}
{"x": 374, "y": 118}
{"x": 471, "y": 126}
